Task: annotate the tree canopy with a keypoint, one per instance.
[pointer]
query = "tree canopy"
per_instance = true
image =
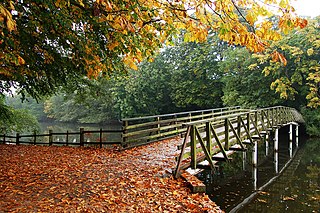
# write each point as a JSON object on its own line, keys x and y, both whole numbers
{"x": 45, "y": 44}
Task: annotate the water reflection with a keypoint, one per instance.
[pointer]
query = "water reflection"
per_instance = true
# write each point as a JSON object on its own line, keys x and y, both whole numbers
{"x": 297, "y": 189}
{"x": 237, "y": 180}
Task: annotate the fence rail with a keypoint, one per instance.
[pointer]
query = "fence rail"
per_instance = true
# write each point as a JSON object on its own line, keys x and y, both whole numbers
{"x": 81, "y": 138}
{"x": 143, "y": 130}
{"x": 148, "y": 129}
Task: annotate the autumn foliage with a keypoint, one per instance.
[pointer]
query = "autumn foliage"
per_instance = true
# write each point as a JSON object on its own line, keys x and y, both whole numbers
{"x": 48, "y": 40}
{"x": 72, "y": 179}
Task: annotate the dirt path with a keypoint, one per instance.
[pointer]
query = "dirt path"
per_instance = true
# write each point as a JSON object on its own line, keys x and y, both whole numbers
{"x": 67, "y": 179}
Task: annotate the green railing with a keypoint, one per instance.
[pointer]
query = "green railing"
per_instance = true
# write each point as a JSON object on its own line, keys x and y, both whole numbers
{"x": 148, "y": 129}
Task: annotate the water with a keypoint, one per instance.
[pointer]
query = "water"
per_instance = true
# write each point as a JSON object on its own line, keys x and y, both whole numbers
{"x": 59, "y": 127}
{"x": 296, "y": 189}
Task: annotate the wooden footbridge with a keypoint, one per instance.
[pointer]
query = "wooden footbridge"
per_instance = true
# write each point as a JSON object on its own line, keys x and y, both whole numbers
{"x": 208, "y": 136}
{"x": 211, "y": 140}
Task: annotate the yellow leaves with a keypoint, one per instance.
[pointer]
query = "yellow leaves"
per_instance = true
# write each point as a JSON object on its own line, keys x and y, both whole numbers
{"x": 128, "y": 60}
{"x": 81, "y": 3}
{"x": 113, "y": 45}
{"x": 283, "y": 87}
{"x": 21, "y": 60}
{"x": 310, "y": 51}
{"x": 5, "y": 16}
{"x": 251, "y": 17}
{"x": 276, "y": 56}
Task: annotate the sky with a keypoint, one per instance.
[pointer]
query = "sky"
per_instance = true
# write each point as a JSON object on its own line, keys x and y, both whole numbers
{"x": 307, "y": 7}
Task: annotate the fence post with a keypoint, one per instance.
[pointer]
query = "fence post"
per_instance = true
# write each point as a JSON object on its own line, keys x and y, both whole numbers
{"x": 17, "y": 139}
{"x": 158, "y": 125}
{"x": 34, "y": 138}
{"x": 50, "y": 137}
{"x": 226, "y": 131}
{"x": 124, "y": 132}
{"x": 4, "y": 138}
{"x": 81, "y": 137}
{"x": 67, "y": 138}
{"x": 100, "y": 138}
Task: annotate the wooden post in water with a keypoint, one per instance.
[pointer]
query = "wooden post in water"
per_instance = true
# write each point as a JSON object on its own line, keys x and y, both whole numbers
{"x": 276, "y": 149}
{"x": 81, "y": 137}
{"x": 4, "y": 139}
{"x": 244, "y": 160}
{"x": 290, "y": 141}
{"x": 254, "y": 164}
{"x": 50, "y": 137}
{"x": 267, "y": 143}
{"x": 297, "y": 136}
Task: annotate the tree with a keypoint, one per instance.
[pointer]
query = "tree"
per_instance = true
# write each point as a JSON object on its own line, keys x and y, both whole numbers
{"x": 16, "y": 120}
{"x": 46, "y": 44}
{"x": 299, "y": 74}
{"x": 245, "y": 86}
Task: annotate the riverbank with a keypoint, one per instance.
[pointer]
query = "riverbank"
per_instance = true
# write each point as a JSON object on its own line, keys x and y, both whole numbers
{"x": 74, "y": 179}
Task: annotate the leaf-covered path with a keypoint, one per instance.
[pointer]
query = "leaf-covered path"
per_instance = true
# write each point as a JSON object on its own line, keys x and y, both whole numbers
{"x": 73, "y": 179}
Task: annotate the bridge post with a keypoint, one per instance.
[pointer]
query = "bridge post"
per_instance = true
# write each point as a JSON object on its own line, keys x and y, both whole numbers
{"x": 208, "y": 138}
{"x": 297, "y": 136}
{"x": 254, "y": 163}
{"x": 276, "y": 153}
{"x": 193, "y": 147}
{"x": 267, "y": 143}
{"x": 290, "y": 141}
{"x": 226, "y": 132}
{"x": 244, "y": 160}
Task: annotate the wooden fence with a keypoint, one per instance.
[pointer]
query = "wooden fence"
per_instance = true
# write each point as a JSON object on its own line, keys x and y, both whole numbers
{"x": 134, "y": 131}
{"x": 99, "y": 138}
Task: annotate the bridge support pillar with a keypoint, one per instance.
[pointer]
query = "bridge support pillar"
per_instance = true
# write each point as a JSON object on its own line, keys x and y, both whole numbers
{"x": 244, "y": 160}
{"x": 267, "y": 144}
{"x": 254, "y": 164}
{"x": 276, "y": 151}
{"x": 297, "y": 136}
{"x": 290, "y": 141}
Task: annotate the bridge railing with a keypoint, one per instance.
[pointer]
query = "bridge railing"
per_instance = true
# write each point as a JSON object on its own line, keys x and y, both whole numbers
{"x": 148, "y": 129}
{"x": 215, "y": 138}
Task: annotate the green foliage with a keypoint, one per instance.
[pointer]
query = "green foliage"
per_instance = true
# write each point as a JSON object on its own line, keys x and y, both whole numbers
{"x": 312, "y": 118}
{"x": 16, "y": 120}
{"x": 35, "y": 107}
{"x": 245, "y": 85}
{"x": 195, "y": 77}
{"x": 298, "y": 75}
{"x": 93, "y": 104}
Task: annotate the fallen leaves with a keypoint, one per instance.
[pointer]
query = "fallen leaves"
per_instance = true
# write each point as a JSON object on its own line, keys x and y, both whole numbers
{"x": 39, "y": 178}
